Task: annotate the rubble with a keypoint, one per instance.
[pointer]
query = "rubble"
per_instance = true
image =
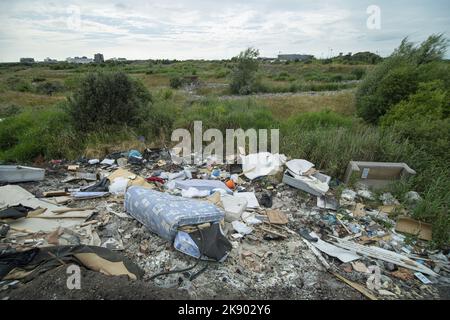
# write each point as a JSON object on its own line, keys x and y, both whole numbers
{"x": 263, "y": 235}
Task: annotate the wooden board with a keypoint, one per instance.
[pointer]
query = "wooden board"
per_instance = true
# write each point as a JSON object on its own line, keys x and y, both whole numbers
{"x": 414, "y": 227}
{"x": 55, "y": 193}
{"x": 277, "y": 217}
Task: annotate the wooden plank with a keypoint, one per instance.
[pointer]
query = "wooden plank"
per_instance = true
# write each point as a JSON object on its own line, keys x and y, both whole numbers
{"x": 55, "y": 193}
{"x": 274, "y": 232}
{"x": 59, "y": 211}
{"x": 355, "y": 286}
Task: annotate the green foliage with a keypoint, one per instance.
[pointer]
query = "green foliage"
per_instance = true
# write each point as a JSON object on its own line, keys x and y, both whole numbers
{"x": 399, "y": 76}
{"x": 105, "y": 99}
{"x": 49, "y": 88}
{"x": 331, "y": 147}
{"x": 9, "y": 111}
{"x": 359, "y": 73}
{"x": 17, "y": 84}
{"x": 360, "y": 57}
{"x": 315, "y": 120}
{"x": 176, "y": 82}
{"x": 243, "y": 78}
{"x": 37, "y": 133}
{"x": 424, "y": 119}
{"x": 227, "y": 115}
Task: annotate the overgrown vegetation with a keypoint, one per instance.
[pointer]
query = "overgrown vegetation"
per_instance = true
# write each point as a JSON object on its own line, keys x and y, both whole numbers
{"x": 108, "y": 99}
{"x": 400, "y": 75}
{"x": 244, "y": 76}
{"x": 403, "y": 104}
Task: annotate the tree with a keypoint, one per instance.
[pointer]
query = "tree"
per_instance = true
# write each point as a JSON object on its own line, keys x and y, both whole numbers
{"x": 243, "y": 78}
{"x": 106, "y": 99}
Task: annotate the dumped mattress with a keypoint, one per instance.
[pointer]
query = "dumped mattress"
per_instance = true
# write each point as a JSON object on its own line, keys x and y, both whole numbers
{"x": 163, "y": 213}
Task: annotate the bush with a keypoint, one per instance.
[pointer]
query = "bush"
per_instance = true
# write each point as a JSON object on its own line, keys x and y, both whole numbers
{"x": 314, "y": 120}
{"x": 105, "y": 99}
{"x": 243, "y": 78}
{"x": 9, "y": 111}
{"x": 49, "y": 88}
{"x": 37, "y": 133}
{"x": 176, "y": 82}
{"x": 359, "y": 73}
{"x": 398, "y": 76}
{"x": 38, "y": 79}
{"x": 423, "y": 120}
{"x": 17, "y": 84}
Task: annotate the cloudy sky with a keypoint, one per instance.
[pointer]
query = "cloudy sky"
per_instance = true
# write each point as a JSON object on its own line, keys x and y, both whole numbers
{"x": 206, "y": 29}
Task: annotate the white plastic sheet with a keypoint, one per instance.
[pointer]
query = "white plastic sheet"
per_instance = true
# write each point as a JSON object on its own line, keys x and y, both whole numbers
{"x": 262, "y": 164}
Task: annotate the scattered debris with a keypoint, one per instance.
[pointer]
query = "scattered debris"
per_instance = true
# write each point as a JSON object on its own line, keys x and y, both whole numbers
{"x": 147, "y": 204}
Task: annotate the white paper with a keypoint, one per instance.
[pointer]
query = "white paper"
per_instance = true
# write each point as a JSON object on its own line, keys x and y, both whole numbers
{"x": 252, "y": 201}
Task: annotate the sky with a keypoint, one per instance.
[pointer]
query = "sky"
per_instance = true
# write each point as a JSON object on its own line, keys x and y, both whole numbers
{"x": 206, "y": 29}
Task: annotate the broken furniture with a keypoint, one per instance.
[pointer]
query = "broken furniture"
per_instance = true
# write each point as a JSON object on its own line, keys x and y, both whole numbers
{"x": 316, "y": 184}
{"x": 377, "y": 174}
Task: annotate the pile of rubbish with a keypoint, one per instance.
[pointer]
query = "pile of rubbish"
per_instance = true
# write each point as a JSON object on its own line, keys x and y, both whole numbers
{"x": 266, "y": 222}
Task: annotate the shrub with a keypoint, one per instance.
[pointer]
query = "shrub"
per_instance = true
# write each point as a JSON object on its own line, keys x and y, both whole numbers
{"x": 37, "y": 133}
{"x": 105, "y": 99}
{"x": 17, "y": 84}
{"x": 424, "y": 119}
{"x": 49, "y": 88}
{"x": 397, "y": 77}
{"x": 38, "y": 79}
{"x": 243, "y": 78}
{"x": 359, "y": 73}
{"x": 314, "y": 120}
{"x": 176, "y": 82}
{"x": 9, "y": 111}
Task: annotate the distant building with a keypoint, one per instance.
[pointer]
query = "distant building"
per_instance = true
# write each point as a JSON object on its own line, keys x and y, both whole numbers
{"x": 80, "y": 60}
{"x": 117, "y": 59}
{"x": 295, "y": 57}
{"x": 26, "y": 60}
{"x": 48, "y": 60}
{"x": 98, "y": 58}
{"x": 267, "y": 59}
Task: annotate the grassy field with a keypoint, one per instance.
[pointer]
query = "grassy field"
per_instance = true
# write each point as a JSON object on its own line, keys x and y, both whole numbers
{"x": 19, "y": 85}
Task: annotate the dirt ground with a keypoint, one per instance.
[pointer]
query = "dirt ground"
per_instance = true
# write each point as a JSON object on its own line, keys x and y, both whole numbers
{"x": 96, "y": 286}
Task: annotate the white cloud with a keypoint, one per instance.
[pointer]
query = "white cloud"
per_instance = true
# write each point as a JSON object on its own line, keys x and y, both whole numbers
{"x": 199, "y": 29}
